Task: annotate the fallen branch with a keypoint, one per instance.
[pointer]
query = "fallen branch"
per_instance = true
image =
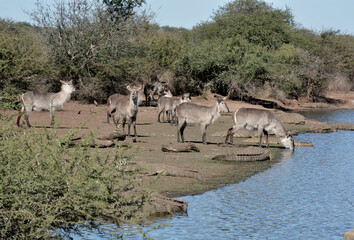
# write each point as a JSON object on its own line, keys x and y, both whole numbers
{"x": 188, "y": 147}
{"x": 112, "y": 136}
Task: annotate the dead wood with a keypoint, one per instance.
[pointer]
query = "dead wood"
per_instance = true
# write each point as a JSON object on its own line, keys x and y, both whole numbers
{"x": 248, "y": 154}
{"x": 112, "y": 136}
{"x": 157, "y": 169}
{"x": 186, "y": 147}
{"x": 161, "y": 205}
{"x": 93, "y": 143}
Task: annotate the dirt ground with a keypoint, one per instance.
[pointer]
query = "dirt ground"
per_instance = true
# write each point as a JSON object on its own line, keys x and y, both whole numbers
{"x": 184, "y": 173}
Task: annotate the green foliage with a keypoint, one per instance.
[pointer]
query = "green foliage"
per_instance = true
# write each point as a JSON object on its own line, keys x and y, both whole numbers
{"x": 46, "y": 185}
{"x": 21, "y": 53}
{"x": 256, "y": 21}
{"x": 122, "y": 8}
{"x": 246, "y": 45}
{"x": 9, "y": 97}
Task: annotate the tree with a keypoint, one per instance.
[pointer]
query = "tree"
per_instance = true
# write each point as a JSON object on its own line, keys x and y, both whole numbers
{"x": 88, "y": 47}
{"x": 256, "y": 21}
{"x": 122, "y": 9}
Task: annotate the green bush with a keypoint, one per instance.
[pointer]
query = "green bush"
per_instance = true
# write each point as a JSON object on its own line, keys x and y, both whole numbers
{"x": 49, "y": 188}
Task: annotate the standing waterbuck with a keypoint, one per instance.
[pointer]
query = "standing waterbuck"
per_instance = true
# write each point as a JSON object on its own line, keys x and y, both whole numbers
{"x": 264, "y": 121}
{"x": 151, "y": 89}
{"x": 203, "y": 115}
{"x": 113, "y": 100}
{"x": 44, "y": 101}
{"x": 126, "y": 108}
{"x": 168, "y": 104}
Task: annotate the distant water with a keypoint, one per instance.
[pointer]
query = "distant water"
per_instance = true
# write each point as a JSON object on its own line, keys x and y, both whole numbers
{"x": 309, "y": 195}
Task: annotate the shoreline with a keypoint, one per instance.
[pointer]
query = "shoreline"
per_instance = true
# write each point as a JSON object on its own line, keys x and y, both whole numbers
{"x": 175, "y": 174}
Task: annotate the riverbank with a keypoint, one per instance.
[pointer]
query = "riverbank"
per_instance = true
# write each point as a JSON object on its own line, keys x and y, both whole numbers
{"x": 174, "y": 174}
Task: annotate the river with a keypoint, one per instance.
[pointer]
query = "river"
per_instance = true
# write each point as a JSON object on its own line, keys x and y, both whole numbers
{"x": 309, "y": 195}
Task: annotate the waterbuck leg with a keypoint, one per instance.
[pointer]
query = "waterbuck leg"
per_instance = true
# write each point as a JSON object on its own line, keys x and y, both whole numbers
{"x": 178, "y": 132}
{"x": 229, "y": 135}
{"x": 182, "y": 130}
{"x": 163, "y": 115}
{"x": 168, "y": 115}
{"x": 27, "y": 112}
{"x": 109, "y": 113}
{"x": 27, "y": 120}
{"x": 123, "y": 125}
{"x": 266, "y": 135}
{"x": 116, "y": 122}
{"x": 173, "y": 117}
{"x": 260, "y": 133}
{"x": 18, "y": 122}
{"x": 134, "y": 126}
{"x": 51, "y": 118}
{"x": 204, "y": 128}
{"x": 231, "y": 132}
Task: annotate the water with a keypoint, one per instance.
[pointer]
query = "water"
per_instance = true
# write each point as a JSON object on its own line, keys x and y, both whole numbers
{"x": 307, "y": 196}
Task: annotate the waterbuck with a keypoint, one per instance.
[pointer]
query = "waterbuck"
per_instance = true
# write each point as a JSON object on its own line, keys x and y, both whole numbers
{"x": 264, "y": 121}
{"x": 168, "y": 104}
{"x": 127, "y": 109}
{"x": 203, "y": 115}
{"x": 112, "y": 104}
{"x": 44, "y": 101}
{"x": 151, "y": 89}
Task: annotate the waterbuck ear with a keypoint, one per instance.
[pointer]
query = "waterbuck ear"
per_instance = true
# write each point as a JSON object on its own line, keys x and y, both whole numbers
{"x": 141, "y": 87}
{"x": 62, "y": 82}
{"x": 129, "y": 88}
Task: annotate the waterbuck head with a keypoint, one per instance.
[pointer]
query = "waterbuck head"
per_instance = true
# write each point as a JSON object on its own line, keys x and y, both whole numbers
{"x": 134, "y": 93}
{"x": 222, "y": 106}
{"x": 186, "y": 97}
{"x": 67, "y": 86}
{"x": 288, "y": 141}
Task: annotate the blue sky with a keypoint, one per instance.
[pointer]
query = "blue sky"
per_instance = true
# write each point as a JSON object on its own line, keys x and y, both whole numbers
{"x": 316, "y": 15}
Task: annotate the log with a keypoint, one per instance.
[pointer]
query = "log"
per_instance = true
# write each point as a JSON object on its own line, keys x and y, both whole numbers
{"x": 112, "y": 136}
{"x": 157, "y": 169}
{"x": 187, "y": 147}
{"x": 94, "y": 143}
{"x": 162, "y": 206}
{"x": 248, "y": 154}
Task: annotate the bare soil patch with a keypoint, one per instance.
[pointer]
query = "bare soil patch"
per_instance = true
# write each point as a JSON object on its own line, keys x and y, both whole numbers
{"x": 173, "y": 174}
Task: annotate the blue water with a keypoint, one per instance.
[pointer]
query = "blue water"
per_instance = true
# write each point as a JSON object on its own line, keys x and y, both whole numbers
{"x": 307, "y": 195}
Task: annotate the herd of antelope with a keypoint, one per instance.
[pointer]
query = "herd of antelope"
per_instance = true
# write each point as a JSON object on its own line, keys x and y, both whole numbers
{"x": 179, "y": 111}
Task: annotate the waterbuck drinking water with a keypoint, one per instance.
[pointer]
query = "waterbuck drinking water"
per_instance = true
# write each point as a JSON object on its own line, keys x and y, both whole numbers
{"x": 169, "y": 104}
{"x": 203, "y": 115}
{"x": 264, "y": 121}
{"x": 126, "y": 108}
{"x": 44, "y": 101}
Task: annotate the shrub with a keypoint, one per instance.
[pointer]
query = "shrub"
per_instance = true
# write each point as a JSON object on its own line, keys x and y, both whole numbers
{"x": 49, "y": 188}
